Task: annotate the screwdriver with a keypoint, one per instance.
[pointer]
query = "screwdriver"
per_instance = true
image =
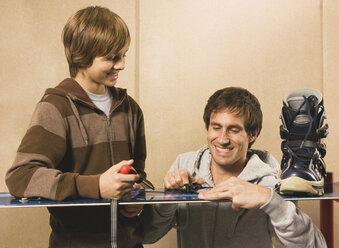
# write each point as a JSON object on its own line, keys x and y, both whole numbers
{"x": 128, "y": 169}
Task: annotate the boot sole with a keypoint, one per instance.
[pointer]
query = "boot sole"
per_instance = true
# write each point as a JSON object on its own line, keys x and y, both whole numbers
{"x": 299, "y": 186}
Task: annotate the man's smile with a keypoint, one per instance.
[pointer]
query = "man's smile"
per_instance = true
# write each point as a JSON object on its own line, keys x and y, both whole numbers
{"x": 223, "y": 149}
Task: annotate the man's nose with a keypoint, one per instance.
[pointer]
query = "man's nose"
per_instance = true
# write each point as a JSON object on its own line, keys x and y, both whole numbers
{"x": 223, "y": 138}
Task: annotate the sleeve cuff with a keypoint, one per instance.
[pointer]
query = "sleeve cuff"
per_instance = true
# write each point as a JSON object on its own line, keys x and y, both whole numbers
{"x": 277, "y": 208}
{"x": 263, "y": 206}
{"x": 88, "y": 186}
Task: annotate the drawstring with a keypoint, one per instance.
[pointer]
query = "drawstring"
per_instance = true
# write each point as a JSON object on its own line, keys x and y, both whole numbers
{"x": 77, "y": 116}
{"x": 131, "y": 130}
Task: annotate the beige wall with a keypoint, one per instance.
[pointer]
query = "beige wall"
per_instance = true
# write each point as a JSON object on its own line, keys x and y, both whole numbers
{"x": 331, "y": 89}
{"x": 182, "y": 51}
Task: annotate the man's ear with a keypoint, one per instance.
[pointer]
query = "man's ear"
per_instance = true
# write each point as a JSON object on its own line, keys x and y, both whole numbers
{"x": 254, "y": 135}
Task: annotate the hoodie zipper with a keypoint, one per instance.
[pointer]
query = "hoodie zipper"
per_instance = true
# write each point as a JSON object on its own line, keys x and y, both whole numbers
{"x": 108, "y": 122}
{"x": 110, "y": 138}
{"x": 109, "y": 133}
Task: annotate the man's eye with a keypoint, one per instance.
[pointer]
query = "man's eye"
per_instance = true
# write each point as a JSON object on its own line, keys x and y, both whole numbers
{"x": 235, "y": 130}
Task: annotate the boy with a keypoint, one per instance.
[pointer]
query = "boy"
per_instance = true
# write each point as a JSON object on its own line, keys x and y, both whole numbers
{"x": 254, "y": 213}
{"x": 79, "y": 130}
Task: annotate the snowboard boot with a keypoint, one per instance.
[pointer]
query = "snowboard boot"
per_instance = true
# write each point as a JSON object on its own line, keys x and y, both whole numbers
{"x": 302, "y": 166}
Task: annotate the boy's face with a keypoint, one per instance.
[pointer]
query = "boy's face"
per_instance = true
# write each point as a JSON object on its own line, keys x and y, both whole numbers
{"x": 103, "y": 72}
{"x": 227, "y": 140}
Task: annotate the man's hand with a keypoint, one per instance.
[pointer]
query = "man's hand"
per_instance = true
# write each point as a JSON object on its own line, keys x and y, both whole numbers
{"x": 115, "y": 185}
{"x": 178, "y": 178}
{"x": 242, "y": 193}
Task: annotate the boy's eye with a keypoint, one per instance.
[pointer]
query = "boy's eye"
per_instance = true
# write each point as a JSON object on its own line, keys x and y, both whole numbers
{"x": 116, "y": 58}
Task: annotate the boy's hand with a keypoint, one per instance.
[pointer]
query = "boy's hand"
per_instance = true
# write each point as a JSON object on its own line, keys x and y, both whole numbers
{"x": 130, "y": 211}
{"x": 178, "y": 178}
{"x": 242, "y": 193}
{"x": 114, "y": 185}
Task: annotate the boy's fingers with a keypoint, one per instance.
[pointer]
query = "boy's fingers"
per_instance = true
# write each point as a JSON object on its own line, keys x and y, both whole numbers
{"x": 128, "y": 214}
{"x": 138, "y": 186}
{"x": 116, "y": 167}
{"x": 129, "y": 178}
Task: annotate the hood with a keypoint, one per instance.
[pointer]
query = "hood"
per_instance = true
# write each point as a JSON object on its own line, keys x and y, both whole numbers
{"x": 70, "y": 89}
{"x": 260, "y": 164}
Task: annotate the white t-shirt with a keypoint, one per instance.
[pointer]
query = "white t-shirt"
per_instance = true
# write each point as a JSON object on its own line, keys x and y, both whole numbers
{"x": 102, "y": 101}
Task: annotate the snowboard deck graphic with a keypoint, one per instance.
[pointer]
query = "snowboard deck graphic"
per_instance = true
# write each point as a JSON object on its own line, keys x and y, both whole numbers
{"x": 157, "y": 196}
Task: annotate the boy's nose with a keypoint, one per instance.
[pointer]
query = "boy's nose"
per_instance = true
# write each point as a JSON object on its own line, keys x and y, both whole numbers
{"x": 119, "y": 65}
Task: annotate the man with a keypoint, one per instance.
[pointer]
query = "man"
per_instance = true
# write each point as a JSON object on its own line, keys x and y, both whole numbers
{"x": 252, "y": 213}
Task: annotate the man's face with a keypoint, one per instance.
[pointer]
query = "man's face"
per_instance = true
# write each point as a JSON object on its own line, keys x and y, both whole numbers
{"x": 227, "y": 140}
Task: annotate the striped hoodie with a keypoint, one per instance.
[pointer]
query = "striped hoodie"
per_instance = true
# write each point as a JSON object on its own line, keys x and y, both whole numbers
{"x": 68, "y": 144}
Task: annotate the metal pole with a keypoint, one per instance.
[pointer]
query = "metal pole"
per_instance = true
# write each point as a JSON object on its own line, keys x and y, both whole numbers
{"x": 114, "y": 219}
{"x": 326, "y": 213}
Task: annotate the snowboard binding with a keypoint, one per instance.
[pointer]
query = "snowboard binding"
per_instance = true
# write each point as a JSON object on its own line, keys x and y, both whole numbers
{"x": 302, "y": 165}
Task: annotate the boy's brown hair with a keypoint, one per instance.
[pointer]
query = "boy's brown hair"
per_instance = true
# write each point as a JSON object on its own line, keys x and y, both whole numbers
{"x": 90, "y": 32}
{"x": 236, "y": 100}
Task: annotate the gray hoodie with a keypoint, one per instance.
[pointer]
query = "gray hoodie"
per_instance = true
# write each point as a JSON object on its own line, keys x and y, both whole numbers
{"x": 216, "y": 224}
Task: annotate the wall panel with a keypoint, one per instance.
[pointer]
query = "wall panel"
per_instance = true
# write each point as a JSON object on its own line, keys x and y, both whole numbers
{"x": 32, "y": 59}
{"x": 181, "y": 52}
{"x": 331, "y": 89}
{"x": 189, "y": 49}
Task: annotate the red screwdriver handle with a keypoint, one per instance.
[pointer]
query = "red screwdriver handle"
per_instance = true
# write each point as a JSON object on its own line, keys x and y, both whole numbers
{"x": 128, "y": 169}
{"x": 125, "y": 169}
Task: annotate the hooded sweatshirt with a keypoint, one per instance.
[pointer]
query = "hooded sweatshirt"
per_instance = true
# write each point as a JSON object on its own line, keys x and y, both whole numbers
{"x": 68, "y": 145}
{"x": 215, "y": 224}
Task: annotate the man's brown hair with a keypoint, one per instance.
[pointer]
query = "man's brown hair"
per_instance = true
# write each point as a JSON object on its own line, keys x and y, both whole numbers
{"x": 90, "y": 32}
{"x": 236, "y": 100}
